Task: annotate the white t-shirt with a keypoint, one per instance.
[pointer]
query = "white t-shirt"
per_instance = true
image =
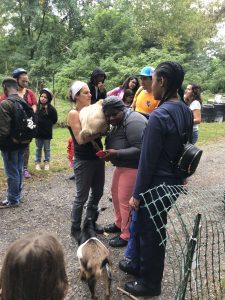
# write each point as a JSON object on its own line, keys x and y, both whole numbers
{"x": 193, "y": 106}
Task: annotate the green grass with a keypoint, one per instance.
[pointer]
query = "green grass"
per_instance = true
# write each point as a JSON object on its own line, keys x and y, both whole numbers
{"x": 62, "y": 107}
{"x": 59, "y": 160}
{"x": 209, "y": 133}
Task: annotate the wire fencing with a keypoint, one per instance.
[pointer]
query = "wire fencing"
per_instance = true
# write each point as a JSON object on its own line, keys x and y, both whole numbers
{"x": 194, "y": 239}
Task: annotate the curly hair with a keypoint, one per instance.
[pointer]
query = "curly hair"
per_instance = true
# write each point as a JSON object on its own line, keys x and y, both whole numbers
{"x": 127, "y": 81}
{"x": 196, "y": 92}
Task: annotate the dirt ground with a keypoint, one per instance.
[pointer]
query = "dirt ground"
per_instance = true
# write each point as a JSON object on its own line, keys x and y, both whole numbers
{"x": 47, "y": 206}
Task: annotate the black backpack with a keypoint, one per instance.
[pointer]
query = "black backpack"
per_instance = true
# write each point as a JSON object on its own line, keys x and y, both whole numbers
{"x": 24, "y": 125}
{"x": 189, "y": 156}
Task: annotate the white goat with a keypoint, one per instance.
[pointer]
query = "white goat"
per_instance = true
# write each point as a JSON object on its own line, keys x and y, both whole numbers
{"x": 93, "y": 120}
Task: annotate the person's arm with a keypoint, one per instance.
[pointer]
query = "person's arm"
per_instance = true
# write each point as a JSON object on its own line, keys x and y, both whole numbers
{"x": 101, "y": 91}
{"x": 195, "y": 106}
{"x": 5, "y": 119}
{"x": 113, "y": 92}
{"x": 197, "y": 116}
{"x": 74, "y": 122}
{"x": 54, "y": 115}
{"x": 150, "y": 154}
{"x": 133, "y": 105}
{"x": 134, "y": 131}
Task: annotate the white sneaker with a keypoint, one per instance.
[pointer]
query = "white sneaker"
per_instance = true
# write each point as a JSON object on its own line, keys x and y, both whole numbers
{"x": 46, "y": 167}
{"x": 38, "y": 167}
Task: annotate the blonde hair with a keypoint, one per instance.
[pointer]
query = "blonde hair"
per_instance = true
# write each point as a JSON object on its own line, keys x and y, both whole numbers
{"x": 34, "y": 269}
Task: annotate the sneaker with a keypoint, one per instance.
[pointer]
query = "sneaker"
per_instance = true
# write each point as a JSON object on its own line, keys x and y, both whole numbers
{"x": 46, "y": 167}
{"x": 7, "y": 204}
{"x": 26, "y": 173}
{"x": 37, "y": 167}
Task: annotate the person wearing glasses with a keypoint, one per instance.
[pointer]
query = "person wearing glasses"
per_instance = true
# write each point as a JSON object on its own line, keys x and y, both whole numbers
{"x": 144, "y": 101}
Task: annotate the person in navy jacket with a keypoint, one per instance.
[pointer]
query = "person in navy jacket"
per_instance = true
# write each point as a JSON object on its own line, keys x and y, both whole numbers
{"x": 161, "y": 146}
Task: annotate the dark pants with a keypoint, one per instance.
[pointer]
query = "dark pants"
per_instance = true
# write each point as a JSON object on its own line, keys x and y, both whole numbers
{"x": 147, "y": 245}
{"x": 89, "y": 177}
{"x": 26, "y": 157}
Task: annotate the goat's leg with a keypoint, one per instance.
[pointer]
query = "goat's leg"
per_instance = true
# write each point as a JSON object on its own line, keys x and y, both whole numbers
{"x": 82, "y": 275}
{"x": 107, "y": 282}
{"x": 91, "y": 284}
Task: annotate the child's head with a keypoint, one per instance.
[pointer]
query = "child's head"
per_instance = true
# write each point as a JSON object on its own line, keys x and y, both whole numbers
{"x": 45, "y": 96}
{"x": 34, "y": 269}
{"x": 128, "y": 97}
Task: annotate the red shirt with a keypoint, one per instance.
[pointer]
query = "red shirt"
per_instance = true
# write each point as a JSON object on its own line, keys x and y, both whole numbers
{"x": 3, "y": 97}
{"x": 70, "y": 150}
{"x": 29, "y": 97}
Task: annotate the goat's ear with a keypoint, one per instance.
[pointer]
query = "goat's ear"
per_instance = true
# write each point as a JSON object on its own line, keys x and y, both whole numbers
{"x": 104, "y": 262}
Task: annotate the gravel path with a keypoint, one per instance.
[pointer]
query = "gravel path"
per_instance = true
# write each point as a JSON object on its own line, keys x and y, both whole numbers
{"x": 47, "y": 205}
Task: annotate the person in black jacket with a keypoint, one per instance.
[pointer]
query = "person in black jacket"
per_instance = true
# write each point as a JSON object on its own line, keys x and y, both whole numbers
{"x": 46, "y": 118}
{"x": 96, "y": 85}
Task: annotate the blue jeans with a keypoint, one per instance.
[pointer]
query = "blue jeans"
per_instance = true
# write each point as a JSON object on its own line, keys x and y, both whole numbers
{"x": 40, "y": 143}
{"x": 194, "y": 137}
{"x": 13, "y": 165}
{"x": 132, "y": 247}
{"x": 89, "y": 177}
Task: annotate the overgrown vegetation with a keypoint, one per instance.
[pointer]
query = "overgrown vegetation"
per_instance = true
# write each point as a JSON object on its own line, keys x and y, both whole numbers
{"x": 62, "y": 40}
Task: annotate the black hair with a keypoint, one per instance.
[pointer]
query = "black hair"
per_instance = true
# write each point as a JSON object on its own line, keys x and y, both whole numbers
{"x": 196, "y": 92}
{"x": 126, "y": 83}
{"x": 95, "y": 73}
{"x": 174, "y": 74}
{"x": 8, "y": 83}
{"x": 127, "y": 93}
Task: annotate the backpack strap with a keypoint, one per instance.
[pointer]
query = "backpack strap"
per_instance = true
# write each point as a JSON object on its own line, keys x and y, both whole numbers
{"x": 25, "y": 96}
{"x": 183, "y": 140}
{"x": 183, "y": 137}
{"x": 138, "y": 91}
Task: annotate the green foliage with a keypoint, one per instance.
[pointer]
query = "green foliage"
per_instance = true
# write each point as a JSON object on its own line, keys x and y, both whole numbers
{"x": 60, "y": 41}
{"x": 116, "y": 69}
{"x": 109, "y": 32}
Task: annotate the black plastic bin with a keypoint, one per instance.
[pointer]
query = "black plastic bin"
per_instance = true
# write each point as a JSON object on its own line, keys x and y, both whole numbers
{"x": 208, "y": 113}
{"x": 219, "y": 110}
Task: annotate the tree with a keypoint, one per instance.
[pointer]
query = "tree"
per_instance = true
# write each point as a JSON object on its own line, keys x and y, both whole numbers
{"x": 110, "y": 32}
{"x": 173, "y": 24}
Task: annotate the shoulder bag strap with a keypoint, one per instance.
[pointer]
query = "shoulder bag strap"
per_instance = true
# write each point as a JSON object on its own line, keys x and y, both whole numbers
{"x": 175, "y": 123}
